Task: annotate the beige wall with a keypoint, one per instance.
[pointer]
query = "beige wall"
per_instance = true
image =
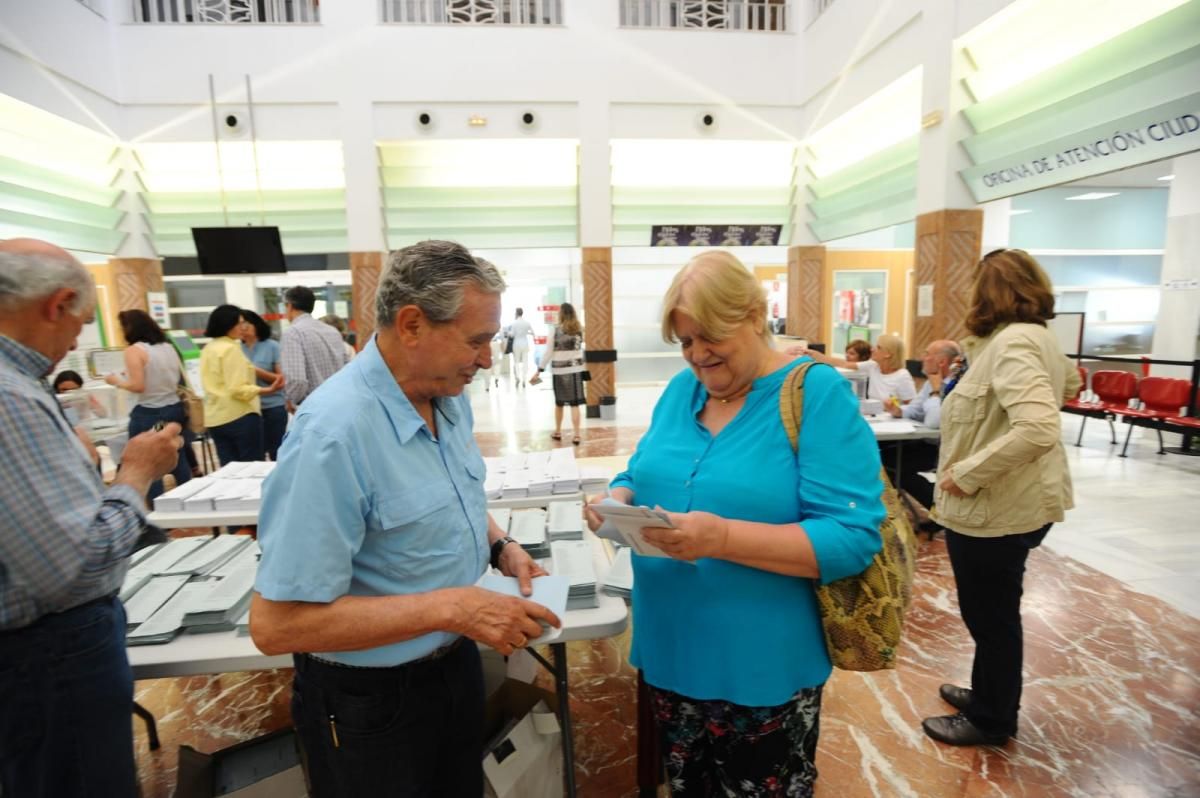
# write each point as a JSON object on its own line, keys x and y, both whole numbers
{"x": 897, "y": 263}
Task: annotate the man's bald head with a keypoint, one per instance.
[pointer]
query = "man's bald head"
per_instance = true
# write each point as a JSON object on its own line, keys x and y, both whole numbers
{"x": 31, "y": 269}
{"x": 939, "y": 356}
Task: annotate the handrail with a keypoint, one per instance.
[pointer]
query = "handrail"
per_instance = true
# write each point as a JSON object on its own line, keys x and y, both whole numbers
{"x": 221, "y": 12}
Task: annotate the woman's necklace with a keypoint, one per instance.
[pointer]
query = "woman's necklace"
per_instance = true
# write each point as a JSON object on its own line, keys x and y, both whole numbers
{"x": 726, "y": 400}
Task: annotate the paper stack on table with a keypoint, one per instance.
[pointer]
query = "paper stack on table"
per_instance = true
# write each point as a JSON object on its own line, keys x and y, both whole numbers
{"x": 619, "y": 579}
{"x": 151, "y": 596}
{"x": 172, "y": 501}
{"x": 549, "y": 591}
{"x": 164, "y": 625}
{"x": 212, "y": 555}
{"x": 224, "y": 600}
{"x": 594, "y": 479}
{"x": 502, "y": 516}
{"x": 158, "y": 562}
{"x": 565, "y": 520}
{"x": 528, "y": 527}
{"x": 572, "y": 559}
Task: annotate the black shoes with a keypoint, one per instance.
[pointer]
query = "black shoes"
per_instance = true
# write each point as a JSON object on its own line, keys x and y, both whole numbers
{"x": 957, "y": 730}
{"x": 955, "y": 696}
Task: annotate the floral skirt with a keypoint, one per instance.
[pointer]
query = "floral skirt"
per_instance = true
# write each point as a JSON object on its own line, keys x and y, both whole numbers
{"x": 722, "y": 748}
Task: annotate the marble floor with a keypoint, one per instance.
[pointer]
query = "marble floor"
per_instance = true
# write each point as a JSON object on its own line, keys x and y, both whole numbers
{"x": 1112, "y": 611}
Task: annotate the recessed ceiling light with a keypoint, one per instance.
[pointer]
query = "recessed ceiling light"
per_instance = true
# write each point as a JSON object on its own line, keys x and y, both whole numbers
{"x": 1093, "y": 195}
{"x": 1167, "y": 177}
{"x": 1019, "y": 211}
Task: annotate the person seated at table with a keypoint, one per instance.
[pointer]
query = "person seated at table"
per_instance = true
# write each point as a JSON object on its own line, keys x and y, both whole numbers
{"x": 887, "y": 376}
{"x": 374, "y": 530}
{"x": 939, "y": 365}
{"x": 858, "y": 351}
{"x": 726, "y": 629}
{"x": 68, "y": 380}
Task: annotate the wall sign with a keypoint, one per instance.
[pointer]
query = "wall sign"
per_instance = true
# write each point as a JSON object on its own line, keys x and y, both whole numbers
{"x": 1163, "y": 131}
{"x": 715, "y": 235}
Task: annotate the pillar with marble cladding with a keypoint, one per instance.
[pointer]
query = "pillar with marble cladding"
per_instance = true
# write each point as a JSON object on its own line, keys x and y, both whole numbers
{"x": 365, "y": 268}
{"x": 947, "y": 243}
{"x": 598, "y": 315}
{"x": 132, "y": 278}
{"x": 806, "y": 291}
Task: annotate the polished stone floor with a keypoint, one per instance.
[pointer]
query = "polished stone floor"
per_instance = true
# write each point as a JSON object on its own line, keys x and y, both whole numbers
{"x": 1112, "y": 614}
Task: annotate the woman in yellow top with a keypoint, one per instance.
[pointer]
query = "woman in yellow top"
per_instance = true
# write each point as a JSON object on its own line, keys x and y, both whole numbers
{"x": 231, "y": 408}
{"x": 1002, "y": 482}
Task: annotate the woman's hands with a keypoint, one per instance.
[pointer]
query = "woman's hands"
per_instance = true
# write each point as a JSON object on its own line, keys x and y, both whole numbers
{"x": 948, "y": 485}
{"x": 275, "y": 386}
{"x": 535, "y": 378}
{"x": 696, "y": 534}
{"x": 623, "y": 495}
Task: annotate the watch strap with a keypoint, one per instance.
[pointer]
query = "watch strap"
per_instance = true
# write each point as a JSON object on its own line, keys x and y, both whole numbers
{"x": 497, "y": 547}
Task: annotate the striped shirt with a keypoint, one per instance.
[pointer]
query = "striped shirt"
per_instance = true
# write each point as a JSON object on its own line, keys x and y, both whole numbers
{"x": 64, "y": 538}
{"x": 311, "y": 352}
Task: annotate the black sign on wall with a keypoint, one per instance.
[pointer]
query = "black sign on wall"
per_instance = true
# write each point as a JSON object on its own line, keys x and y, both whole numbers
{"x": 715, "y": 235}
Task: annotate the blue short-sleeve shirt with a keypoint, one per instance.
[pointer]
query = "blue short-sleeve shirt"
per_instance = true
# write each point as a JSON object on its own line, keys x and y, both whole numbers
{"x": 718, "y": 630}
{"x": 264, "y": 355}
{"x": 365, "y": 501}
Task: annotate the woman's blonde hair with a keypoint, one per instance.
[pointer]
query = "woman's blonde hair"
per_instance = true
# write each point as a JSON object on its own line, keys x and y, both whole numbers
{"x": 720, "y": 293}
{"x": 894, "y": 346}
{"x": 568, "y": 321}
{"x": 1009, "y": 286}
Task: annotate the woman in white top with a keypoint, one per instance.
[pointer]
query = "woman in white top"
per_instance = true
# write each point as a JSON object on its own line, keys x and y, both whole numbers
{"x": 152, "y": 371}
{"x": 887, "y": 376}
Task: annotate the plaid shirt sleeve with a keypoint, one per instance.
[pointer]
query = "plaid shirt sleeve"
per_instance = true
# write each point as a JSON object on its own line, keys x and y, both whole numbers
{"x": 291, "y": 361}
{"x": 64, "y": 539}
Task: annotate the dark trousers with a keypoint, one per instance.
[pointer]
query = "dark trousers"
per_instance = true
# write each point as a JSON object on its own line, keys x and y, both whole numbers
{"x": 274, "y": 425}
{"x": 989, "y": 573}
{"x": 66, "y": 697}
{"x": 916, "y": 456}
{"x": 142, "y": 419}
{"x": 413, "y": 730}
{"x": 241, "y": 440}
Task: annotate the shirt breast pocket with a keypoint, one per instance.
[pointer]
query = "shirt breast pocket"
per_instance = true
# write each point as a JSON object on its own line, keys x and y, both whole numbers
{"x": 967, "y": 404}
{"x": 417, "y": 528}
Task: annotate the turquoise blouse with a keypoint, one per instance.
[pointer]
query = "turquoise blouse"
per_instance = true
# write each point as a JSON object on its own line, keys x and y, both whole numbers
{"x": 717, "y": 630}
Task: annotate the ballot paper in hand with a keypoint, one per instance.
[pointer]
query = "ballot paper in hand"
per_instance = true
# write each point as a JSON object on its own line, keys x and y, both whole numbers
{"x": 623, "y": 524}
{"x": 549, "y": 591}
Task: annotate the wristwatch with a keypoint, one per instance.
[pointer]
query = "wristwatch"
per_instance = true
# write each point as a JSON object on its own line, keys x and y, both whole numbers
{"x": 498, "y": 547}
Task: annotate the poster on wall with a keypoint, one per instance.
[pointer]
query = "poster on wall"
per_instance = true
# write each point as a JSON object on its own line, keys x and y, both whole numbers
{"x": 715, "y": 235}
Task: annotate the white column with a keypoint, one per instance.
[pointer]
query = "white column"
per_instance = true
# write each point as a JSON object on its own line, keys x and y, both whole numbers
{"x": 939, "y": 155}
{"x": 1178, "y": 328}
{"x": 364, "y": 215}
{"x": 997, "y": 224}
{"x": 595, "y": 174}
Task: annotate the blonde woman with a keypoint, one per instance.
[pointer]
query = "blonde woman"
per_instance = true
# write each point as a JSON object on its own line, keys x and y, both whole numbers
{"x": 888, "y": 379}
{"x": 726, "y": 629}
{"x": 564, "y": 353}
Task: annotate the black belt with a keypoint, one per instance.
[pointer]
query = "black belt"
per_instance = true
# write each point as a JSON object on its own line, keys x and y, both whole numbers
{"x": 432, "y": 656}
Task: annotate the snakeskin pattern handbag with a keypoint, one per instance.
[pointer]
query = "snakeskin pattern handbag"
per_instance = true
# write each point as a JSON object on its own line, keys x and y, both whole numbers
{"x": 862, "y": 616}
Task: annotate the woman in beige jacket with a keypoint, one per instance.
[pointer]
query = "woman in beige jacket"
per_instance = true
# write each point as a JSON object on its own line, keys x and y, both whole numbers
{"x": 1003, "y": 481}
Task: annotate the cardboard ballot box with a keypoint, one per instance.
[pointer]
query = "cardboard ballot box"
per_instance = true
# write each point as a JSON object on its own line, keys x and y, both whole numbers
{"x": 523, "y": 754}
{"x": 265, "y": 767}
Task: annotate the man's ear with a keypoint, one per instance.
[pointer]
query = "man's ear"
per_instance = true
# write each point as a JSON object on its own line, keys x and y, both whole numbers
{"x": 58, "y": 303}
{"x": 410, "y": 324}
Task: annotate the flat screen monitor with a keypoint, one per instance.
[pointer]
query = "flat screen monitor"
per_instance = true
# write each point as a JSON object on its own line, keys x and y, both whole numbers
{"x": 239, "y": 250}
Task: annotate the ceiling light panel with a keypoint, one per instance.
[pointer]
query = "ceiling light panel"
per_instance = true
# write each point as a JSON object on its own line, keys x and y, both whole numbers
{"x": 883, "y": 120}
{"x": 664, "y": 163}
{"x": 1092, "y": 195}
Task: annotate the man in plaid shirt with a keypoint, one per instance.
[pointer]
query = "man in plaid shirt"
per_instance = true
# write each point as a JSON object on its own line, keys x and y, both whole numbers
{"x": 65, "y": 684}
{"x": 310, "y": 351}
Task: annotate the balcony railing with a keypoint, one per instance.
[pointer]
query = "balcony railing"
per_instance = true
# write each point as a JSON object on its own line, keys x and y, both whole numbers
{"x": 743, "y": 15}
{"x": 472, "y": 12}
{"x": 221, "y": 12}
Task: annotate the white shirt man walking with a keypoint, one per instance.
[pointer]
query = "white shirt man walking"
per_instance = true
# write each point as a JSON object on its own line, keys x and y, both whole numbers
{"x": 520, "y": 331}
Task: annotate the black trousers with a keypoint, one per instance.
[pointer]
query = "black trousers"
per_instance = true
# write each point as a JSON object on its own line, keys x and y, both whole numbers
{"x": 414, "y": 730}
{"x": 989, "y": 574}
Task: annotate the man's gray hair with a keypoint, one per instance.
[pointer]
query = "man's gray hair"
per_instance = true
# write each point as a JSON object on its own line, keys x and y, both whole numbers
{"x": 26, "y": 277}
{"x": 432, "y": 275}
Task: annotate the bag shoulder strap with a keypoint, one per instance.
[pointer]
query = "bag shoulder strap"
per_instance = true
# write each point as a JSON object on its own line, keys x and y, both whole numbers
{"x": 791, "y": 402}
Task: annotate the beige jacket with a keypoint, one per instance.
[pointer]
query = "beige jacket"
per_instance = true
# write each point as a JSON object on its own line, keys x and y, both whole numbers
{"x": 1002, "y": 435}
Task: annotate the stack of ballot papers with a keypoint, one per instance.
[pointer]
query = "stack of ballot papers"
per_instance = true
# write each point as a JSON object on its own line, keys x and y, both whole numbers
{"x": 594, "y": 479}
{"x": 528, "y": 527}
{"x": 502, "y": 516}
{"x": 535, "y": 475}
{"x": 195, "y": 584}
{"x": 549, "y": 591}
{"x": 572, "y": 559}
{"x": 619, "y": 579}
{"x": 565, "y": 520}
{"x": 623, "y": 524}
{"x": 234, "y": 487}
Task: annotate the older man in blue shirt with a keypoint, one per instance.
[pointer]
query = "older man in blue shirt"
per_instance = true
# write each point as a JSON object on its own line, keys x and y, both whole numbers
{"x": 374, "y": 529}
{"x": 66, "y": 690}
